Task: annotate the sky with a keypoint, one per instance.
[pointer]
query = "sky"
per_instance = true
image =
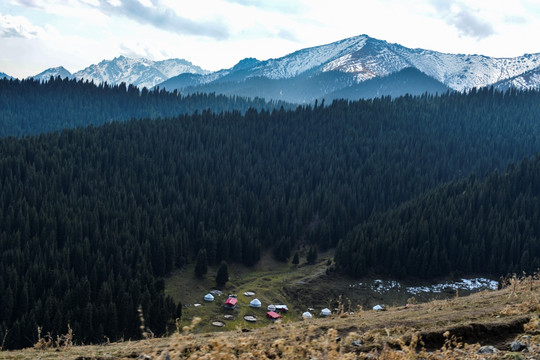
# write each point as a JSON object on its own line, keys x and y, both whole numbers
{"x": 216, "y": 34}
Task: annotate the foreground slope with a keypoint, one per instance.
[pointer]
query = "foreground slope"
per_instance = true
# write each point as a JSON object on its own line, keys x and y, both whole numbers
{"x": 442, "y": 329}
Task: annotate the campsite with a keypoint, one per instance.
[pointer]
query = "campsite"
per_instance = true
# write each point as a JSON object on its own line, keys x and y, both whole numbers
{"x": 303, "y": 289}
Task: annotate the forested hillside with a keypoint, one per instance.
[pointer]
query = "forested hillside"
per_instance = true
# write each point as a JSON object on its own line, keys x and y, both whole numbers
{"x": 92, "y": 219}
{"x": 30, "y": 107}
{"x": 463, "y": 227}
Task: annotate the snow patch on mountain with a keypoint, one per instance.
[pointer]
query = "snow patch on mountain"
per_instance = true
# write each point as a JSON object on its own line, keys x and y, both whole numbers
{"x": 458, "y": 71}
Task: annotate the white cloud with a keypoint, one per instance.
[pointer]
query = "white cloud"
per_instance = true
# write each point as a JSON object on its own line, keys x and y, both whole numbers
{"x": 467, "y": 20}
{"x": 18, "y": 26}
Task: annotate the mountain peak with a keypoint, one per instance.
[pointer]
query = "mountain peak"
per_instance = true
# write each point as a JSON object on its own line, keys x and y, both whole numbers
{"x": 246, "y": 63}
{"x": 54, "y": 72}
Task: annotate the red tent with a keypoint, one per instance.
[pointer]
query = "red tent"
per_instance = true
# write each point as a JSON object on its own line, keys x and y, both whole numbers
{"x": 231, "y": 302}
{"x": 273, "y": 315}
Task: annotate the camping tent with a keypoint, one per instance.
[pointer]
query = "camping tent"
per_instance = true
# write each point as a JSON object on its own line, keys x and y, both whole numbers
{"x": 271, "y": 308}
{"x": 255, "y": 303}
{"x": 326, "y": 312}
{"x": 378, "y": 308}
{"x": 282, "y": 308}
{"x": 209, "y": 297}
{"x": 230, "y": 303}
{"x": 307, "y": 315}
{"x": 273, "y": 315}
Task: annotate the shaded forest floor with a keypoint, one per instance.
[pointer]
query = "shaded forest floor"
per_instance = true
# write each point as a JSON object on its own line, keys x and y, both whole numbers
{"x": 454, "y": 328}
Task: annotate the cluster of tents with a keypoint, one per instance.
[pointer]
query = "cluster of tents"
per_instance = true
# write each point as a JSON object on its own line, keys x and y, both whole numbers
{"x": 273, "y": 310}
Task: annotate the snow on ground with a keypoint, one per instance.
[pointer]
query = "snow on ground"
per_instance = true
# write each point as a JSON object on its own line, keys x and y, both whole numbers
{"x": 384, "y": 286}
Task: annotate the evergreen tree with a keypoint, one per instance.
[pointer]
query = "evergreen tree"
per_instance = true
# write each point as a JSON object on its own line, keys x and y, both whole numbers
{"x": 312, "y": 255}
{"x": 296, "y": 259}
{"x": 201, "y": 266}
{"x": 222, "y": 274}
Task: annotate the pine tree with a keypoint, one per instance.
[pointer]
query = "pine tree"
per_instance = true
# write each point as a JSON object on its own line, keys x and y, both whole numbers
{"x": 223, "y": 274}
{"x": 296, "y": 259}
{"x": 201, "y": 267}
{"x": 312, "y": 255}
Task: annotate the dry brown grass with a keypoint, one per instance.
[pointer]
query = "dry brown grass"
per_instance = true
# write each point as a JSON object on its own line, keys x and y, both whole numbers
{"x": 442, "y": 329}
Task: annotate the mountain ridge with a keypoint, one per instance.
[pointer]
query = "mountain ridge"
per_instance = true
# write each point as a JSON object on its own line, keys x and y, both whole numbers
{"x": 363, "y": 58}
{"x": 344, "y": 63}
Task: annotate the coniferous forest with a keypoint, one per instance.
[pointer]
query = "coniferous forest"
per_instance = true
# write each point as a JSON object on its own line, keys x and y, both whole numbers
{"x": 92, "y": 219}
{"x": 30, "y": 107}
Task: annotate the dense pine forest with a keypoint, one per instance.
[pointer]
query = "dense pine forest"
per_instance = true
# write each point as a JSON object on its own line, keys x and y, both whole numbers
{"x": 91, "y": 220}
{"x": 32, "y": 107}
{"x": 464, "y": 227}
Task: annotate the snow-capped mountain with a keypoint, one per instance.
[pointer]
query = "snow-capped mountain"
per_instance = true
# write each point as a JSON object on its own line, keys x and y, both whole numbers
{"x": 139, "y": 72}
{"x": 54, "y": 72}
{"x": 527, "y": 80}
{"x": 4, "y": 75}
{"x": 363, "y": 58}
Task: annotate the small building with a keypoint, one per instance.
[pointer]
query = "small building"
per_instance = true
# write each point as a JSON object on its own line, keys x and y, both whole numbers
{"x": 307, "y": 315}
{"x": 326, "y": 312}
{"x": 208, "y": 297}
{"x": 230, "y": 303}
{"x": 282, "y": 308}
{"x": 255, "y": 303}
{"x": 273, "y": 315}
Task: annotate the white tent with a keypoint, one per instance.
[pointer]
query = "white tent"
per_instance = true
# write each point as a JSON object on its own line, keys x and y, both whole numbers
{"x": 271, "y": 308}
{"x": 255, "y": 303}
{"x": 209, "y": 297}
{"x": 326, "y": 312}
{"x": 377, "y": 308}
{"x": 282, "y": 308}
{"x": 307, "y": 315}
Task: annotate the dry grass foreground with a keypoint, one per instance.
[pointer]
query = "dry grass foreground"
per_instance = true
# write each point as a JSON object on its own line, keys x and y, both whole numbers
{"x": 441, "y": 329}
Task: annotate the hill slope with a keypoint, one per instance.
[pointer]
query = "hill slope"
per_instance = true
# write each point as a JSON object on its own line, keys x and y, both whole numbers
{"x": 468, "y": 226}
{"x": 109, "y": 211}
{"x": 29, "y": 107}
{"x": 450, "y": 329}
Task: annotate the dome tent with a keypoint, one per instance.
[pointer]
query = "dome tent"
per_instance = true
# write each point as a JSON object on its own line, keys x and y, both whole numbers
{"x": 307, "y": 315}
{"x": 209, "y": 297}
{"x": 378, "y": 308}
{"x": 255, "y": 303}
{"x": 271, "y": 308}
{"x": 326, "y": 312}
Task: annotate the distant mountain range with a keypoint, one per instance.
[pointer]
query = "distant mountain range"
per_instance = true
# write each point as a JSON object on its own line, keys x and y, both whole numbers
{"x": 138, "y": 72}
{"x": 363, "y": 67}
{"x": 357, "y": 67}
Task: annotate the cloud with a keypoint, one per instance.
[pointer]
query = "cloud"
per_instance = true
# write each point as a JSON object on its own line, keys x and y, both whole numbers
{"x": 284, "y": 6}
{"x": 287, "y": 35}
{"x": 463, "y": 18}
{"x": 18, "y": 27}
{"x": 163, "y": 18}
